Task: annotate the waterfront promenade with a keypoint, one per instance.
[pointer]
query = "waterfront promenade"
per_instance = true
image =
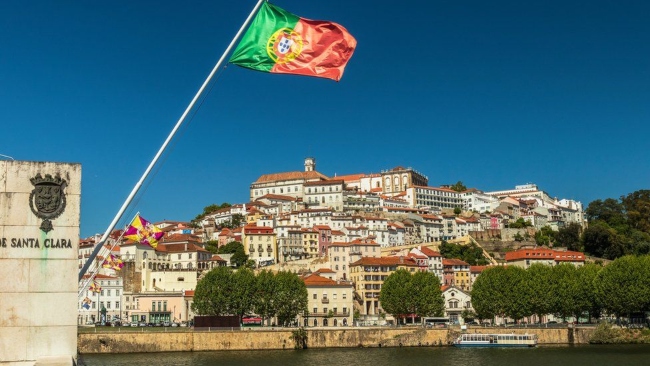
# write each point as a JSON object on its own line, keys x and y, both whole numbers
{"x": 131, "y": 340}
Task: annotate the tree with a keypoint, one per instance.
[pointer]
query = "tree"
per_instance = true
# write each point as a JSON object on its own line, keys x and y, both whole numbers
{"x": 471, "y": 254}
{"x": 609, "y": 211}
{"x": 544, "y": 236}
{"x": 457, "y": 211}
{"x": 242, "y": 295}
{"x": 212, "y": 246}
{"x": 569, "y": 237}
{"x": 584, "y": 295}
{"x": 598, "y": 239}
{"x": 458, "y": 187}
{"x": 235, "y": 248}
{"x": 516, "y": 305}
{"x": 637, "y": 209}
{"x": 396, "y": 294}
{"x": 623, "y": 286}
{"x": 538, "y": 288}
{"x": 520, "y": 224}
{"x": 488, "y": 293}
{"x": 563, "y": 279}
{"x": 292, "y": 297}
{"x": 211, "y": 296}
{"x": 266, "y": 298}
{"x": 426, "y": 294}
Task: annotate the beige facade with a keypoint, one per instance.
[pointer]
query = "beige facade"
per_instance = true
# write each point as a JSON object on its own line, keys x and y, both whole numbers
{"x": 368, "y": 274}
{"x": 260, "y": 244}
{"x": 330, "y": 302}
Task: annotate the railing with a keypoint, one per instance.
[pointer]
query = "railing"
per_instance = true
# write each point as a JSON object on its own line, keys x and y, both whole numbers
{"x": 325, "y": 301}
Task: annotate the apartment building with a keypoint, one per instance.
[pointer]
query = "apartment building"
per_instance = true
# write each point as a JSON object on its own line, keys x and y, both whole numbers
{"x": 330, "y": 302}
{"x": 368, "y": 274}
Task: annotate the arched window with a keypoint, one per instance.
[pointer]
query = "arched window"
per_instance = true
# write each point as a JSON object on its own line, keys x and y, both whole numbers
{"x": 335, "y": 322}
{"x": 315, "y": 322}
{"x": 324, "y": 322}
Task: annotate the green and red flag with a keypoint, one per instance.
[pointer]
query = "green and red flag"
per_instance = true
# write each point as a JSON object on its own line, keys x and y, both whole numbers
{"x": 280, "y": 42}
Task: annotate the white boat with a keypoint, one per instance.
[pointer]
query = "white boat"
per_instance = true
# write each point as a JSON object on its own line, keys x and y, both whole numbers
{"x": 496, "y": 340}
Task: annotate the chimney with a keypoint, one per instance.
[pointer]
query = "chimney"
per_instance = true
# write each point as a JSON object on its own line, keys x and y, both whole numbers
{"x": 401, "y": 259}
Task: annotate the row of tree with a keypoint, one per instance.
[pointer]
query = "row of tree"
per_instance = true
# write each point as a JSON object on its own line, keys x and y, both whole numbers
{"x": 621, "y": 288}
{"x": 222, "y": 291}
{"x": 404, "y": 294}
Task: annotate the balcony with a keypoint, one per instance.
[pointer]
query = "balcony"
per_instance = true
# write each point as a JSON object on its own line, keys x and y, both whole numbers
{"x": 325, "y": 300}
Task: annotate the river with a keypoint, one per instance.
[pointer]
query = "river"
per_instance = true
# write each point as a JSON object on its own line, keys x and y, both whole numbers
{"x": 591, "y": 355}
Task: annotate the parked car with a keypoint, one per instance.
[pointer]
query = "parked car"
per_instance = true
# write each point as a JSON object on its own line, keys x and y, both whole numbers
{"x": 175, "y": 325}
{"x": 134, "y": 324}
{"x": 142, "y": 324}
{"x": 167, "y": 324}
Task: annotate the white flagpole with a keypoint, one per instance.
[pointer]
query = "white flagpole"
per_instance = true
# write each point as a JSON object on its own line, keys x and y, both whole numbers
{"x": 164, "y": 146}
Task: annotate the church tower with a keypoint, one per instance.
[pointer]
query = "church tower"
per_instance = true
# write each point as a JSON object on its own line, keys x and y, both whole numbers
{"x": 310, "y": 164}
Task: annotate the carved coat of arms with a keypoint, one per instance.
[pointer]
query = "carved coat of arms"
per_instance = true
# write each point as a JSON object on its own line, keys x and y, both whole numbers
{"x": 47, "y": 199}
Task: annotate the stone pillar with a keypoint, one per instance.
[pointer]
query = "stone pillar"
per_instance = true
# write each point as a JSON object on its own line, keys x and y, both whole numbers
{"x": 39, "y": 239}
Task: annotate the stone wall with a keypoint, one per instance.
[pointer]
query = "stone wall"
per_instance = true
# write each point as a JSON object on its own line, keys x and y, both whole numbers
{"x": 39, "y": 239}
{"x": 128, "y": 342}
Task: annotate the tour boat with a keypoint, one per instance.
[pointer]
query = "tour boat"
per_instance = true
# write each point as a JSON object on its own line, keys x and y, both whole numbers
{"x": 496, "y": 340}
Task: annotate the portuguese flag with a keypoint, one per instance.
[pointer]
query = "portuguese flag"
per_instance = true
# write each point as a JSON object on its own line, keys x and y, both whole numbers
{"x": 280, "y": 42}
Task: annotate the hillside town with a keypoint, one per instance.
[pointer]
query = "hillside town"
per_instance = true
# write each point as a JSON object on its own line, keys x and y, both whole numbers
{"x": 344, "y": 235}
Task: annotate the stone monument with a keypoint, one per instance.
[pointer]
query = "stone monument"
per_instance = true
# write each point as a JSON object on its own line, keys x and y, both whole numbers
{"x": 39, "y": 239}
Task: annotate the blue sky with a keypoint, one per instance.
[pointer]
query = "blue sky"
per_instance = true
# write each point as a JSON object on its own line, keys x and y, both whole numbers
{"x": 494, "y": 94}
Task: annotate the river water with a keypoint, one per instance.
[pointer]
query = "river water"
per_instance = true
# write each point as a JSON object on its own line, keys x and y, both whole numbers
{"x": 590, "y": 355}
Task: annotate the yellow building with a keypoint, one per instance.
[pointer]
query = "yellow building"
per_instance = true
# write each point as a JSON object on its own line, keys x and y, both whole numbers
{"x": 330, "y": 302}
{"x": 369, "y": 273}
{"x": 260, "y": 244}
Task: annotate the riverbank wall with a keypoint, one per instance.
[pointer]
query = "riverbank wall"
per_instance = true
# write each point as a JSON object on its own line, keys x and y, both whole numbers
{"x": 262, "y": 339}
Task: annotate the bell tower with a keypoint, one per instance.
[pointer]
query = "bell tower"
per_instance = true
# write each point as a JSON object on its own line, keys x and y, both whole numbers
{"x": 310, "y": 164}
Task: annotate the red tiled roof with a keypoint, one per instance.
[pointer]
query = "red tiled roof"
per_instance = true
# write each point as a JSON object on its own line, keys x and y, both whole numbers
{"x": 454, "y": 262}
{"x": 277, "y": 197}
{"x": 324, "y": 270}
{"x": 547, "y": 254}
{"x": 275, "y": 177}
{"x": 430, "y": 252}
{"x": 476, "y": 269}
{"x": 350, "y": 177}
{"x": 385, "y": 261}
{"x": 314, "y": 280}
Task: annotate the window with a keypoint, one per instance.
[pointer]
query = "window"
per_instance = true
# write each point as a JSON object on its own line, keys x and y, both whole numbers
{"x": 153, "y": 306}
{"x": 190, "y": 255}
{"x": 315, "y": 310}
{"x": 117, "y": 304}
{"x": 108, "y": 292}
{"x": 315, "y": 297}
{"x": 117, "y": 292}
{"x": 345, "y": 296}
{"x": 108, "y": 304}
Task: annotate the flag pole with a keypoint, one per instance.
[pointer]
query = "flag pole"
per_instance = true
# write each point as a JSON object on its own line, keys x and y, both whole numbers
{"x": 164, "y": 145}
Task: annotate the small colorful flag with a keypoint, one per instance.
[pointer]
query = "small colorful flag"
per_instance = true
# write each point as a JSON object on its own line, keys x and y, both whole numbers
{"x": 280, "y": 42}
{"x": 94, "y": 287}
{"x": 144, "y": 232}
{"x": 86, "y": 303}
{"x": 113, "y": 262}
